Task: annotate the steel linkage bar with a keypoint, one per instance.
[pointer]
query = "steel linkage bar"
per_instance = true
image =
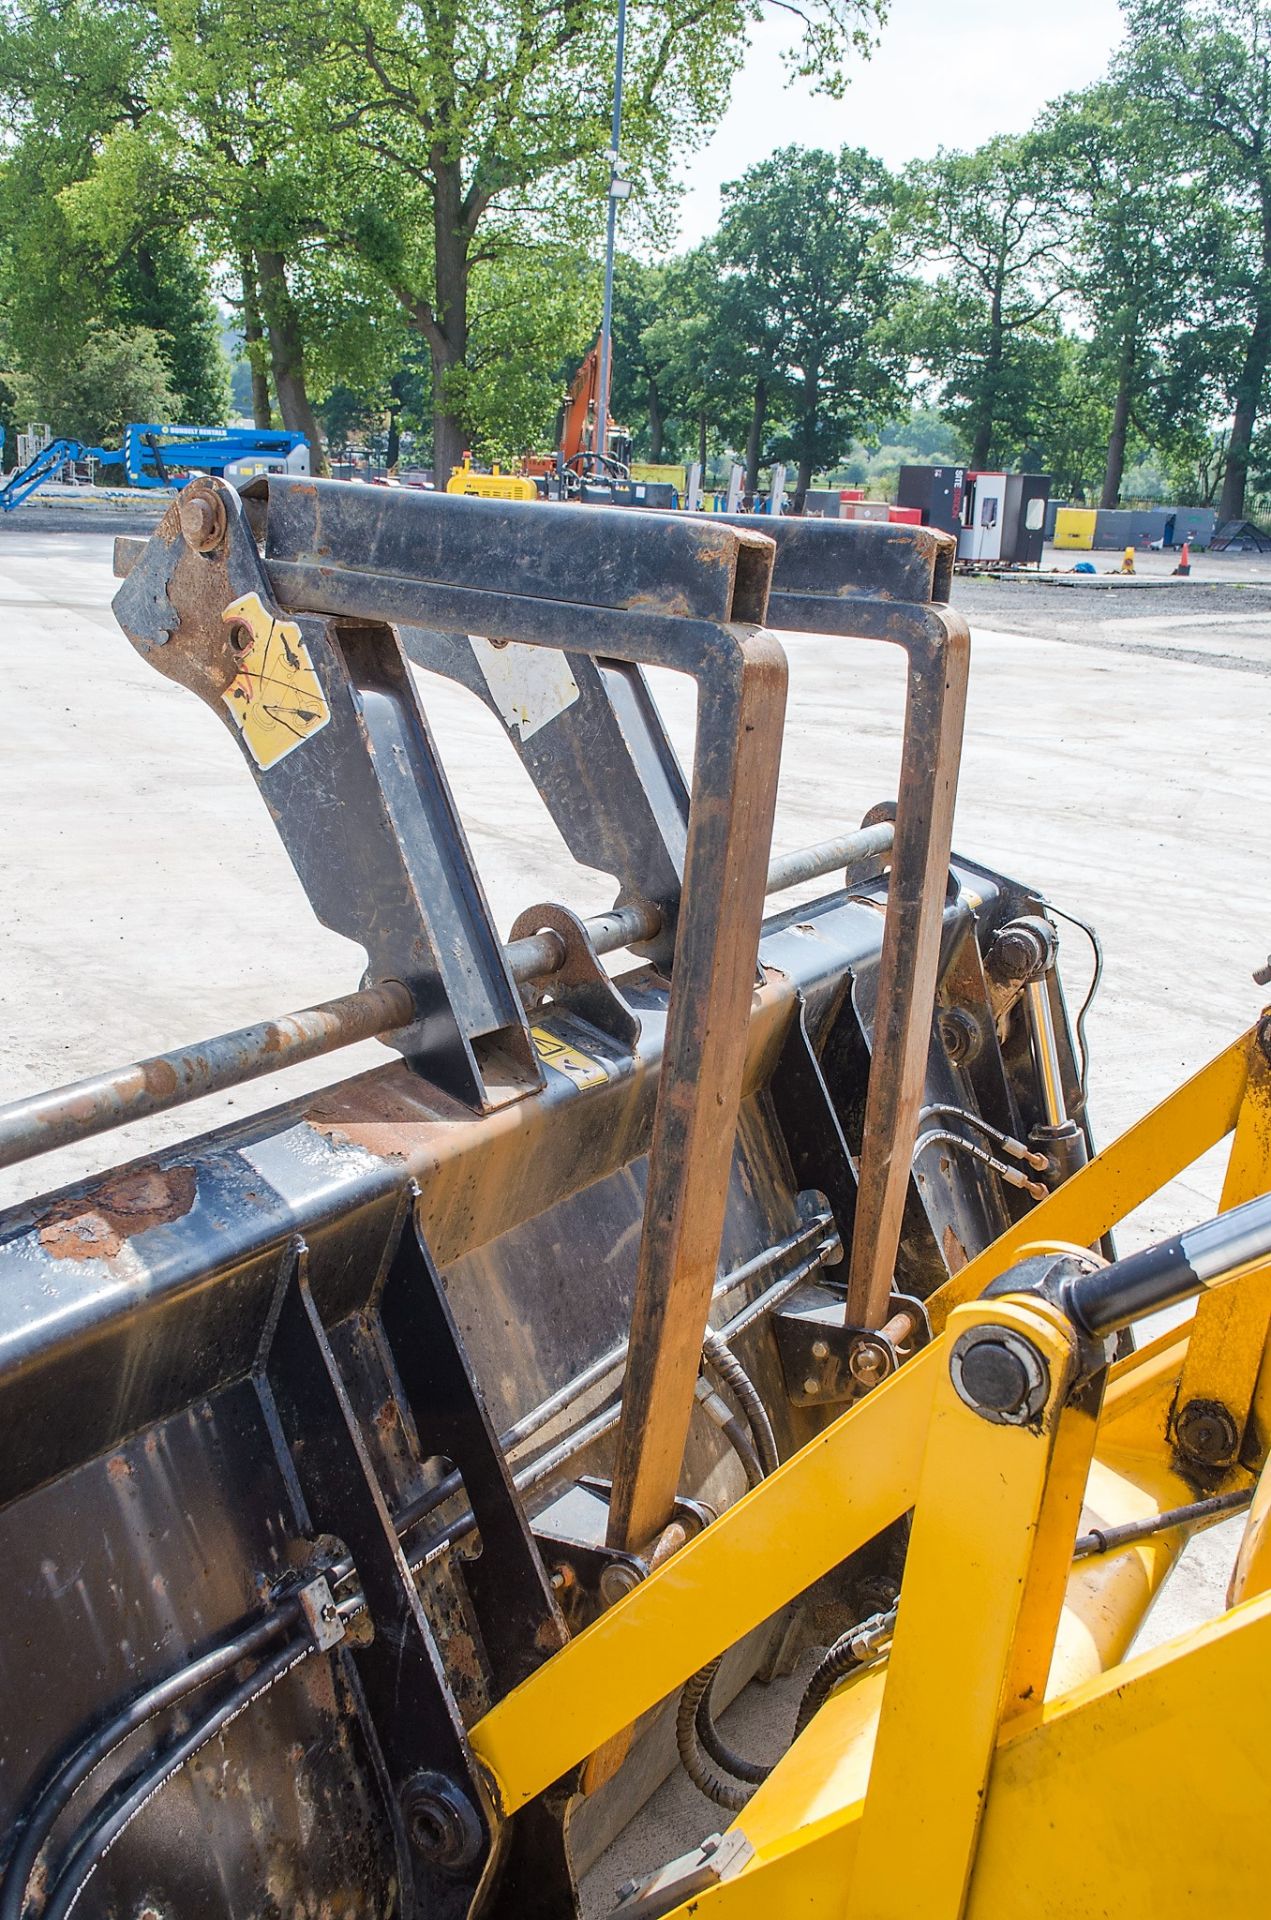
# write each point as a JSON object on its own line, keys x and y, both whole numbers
{"x": 98, "y": 1104}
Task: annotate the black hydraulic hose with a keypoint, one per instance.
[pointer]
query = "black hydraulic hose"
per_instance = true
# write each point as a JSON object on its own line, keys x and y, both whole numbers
{"x": 731, "y": 1794}
{"x": 698, "y": 1740}
{"x": 859, "y": 1647}
{"x": 1091, "y": 991}
{"x": 69, "y": 1773}
{"x": 712, "y": 1741}
{"x": 97, "y": 1836}
{"x": 836, "y": 1661}
{"x": 721, "y": 1357}
{"x": 743, "y": 1446}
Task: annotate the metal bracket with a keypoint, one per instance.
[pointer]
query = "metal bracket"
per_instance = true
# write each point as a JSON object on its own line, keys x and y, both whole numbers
{"x": 718, "y": 1858}
{"x": 517, "y": 1616}
{"x": 587, "y": 1574}
{"x": 580, "y": 983}
{"x": 408, "y": 1710}
{"x": 825, "y": 1360}
{"x": 330, "y": 725}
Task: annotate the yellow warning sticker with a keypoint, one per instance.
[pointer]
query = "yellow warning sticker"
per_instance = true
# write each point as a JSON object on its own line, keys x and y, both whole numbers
{"x": 275, "y": 698}
{"x": 581, "y": 1068}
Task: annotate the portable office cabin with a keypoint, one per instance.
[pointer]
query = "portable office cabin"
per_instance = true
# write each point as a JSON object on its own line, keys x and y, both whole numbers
{"x": 937, "y": 494}
{"x": 1003, "y": 518}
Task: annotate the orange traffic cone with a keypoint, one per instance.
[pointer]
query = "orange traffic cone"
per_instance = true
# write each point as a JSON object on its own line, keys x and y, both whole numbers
{"x": 1185, "y": 564}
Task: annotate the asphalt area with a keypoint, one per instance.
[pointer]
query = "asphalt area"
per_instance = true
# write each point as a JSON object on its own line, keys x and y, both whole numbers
{"x": 1114, "y": 758}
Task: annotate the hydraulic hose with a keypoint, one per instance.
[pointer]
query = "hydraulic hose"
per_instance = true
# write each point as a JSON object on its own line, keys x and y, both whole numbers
{"x": 68, "y": 1774}
{"x": 704, "y": 1754}
{"x": 720, "y": 1356}
{"x": 859, "y": 1647}
{"x": 731, "y": 1794}
{"x": 121, "y": 1808}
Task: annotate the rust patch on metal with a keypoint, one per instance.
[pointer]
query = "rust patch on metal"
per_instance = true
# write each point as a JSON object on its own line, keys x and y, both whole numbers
{"x": 674, "y": 603}
{"x": 128, "y": 1204}
{"x": 955, "y": 1255}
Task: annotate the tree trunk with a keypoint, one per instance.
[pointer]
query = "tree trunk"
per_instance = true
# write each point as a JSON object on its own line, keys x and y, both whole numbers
{"x": 448, "y": 336}
{"x": 1120, "y": 425}
{"x": 254, "y": 338}
{"x": 657, "y": 423}
{"x": 803, "y": 480}
{"x": 754, "y": 439}
{"x": 286, "y": 353}
{"x": 701, "y": 443}
{"x": 982, "y": 445}
{"x": 393, "y": 450}
{"x": 1248, "y": 394}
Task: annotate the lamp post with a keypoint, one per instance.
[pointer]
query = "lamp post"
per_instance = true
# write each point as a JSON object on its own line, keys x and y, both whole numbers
{"x": 619, "y": 189}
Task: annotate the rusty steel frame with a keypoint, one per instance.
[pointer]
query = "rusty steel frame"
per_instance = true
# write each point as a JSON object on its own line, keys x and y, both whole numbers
{"x": 808, "y": 596}
{"x": 99, "y": 1104}
{"x": 741, "y": 676}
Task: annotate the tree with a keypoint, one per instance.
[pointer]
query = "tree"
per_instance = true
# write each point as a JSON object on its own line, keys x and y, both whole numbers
{"x": 995, "y": 221}
{"x": 686, "y": 342}
{"x": 638, "y": 391}
{"x": 117, "y": 375}
{"x": 1138, "y": 255}
{"x": 1205, "y": 66}
{"x": 808, "y": 254}
{"x": 471, "y": 128}
{"x": 117, "y": 259}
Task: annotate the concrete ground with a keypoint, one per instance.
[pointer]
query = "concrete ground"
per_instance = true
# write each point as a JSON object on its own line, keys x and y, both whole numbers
{"x": 1113, "y": 759}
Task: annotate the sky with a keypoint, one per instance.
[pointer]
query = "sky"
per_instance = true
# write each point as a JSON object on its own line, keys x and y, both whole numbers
{"x": 947, "y": 73}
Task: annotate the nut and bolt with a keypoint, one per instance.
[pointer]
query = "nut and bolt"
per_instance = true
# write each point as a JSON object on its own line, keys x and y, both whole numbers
{"x": 820, "y": 1351}
{"x": 1000, "y": 1375}
{"x": 961, "y": 1035}
{"x": 1206, "y": 1433}
{"x": 1021, "y": 951}
{"x": 870, "y": 1362}
{"x": 202, "y": 518}
{"x": 812, "y": 1386}
{"x": 617, "y": 1580}
{"x": 442, "y": 1822}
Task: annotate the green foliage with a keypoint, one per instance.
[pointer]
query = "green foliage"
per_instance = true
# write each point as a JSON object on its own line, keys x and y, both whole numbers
{"x": 118, "y": 375}
{"x": 993, "y": 222}
{"x": 807, "y": 250}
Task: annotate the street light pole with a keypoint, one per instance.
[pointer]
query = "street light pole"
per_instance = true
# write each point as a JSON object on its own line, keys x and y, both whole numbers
{"x": 615, "y": 195}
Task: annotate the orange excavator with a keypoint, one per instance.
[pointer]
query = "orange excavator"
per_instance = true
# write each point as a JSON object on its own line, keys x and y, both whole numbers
{"x": 578, "y": 465}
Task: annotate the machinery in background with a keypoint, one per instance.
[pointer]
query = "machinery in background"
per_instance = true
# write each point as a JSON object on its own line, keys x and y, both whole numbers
{"x": 579, "y": 469}
{"x": 998, "y": 519}
{"x": 153, "y": 454}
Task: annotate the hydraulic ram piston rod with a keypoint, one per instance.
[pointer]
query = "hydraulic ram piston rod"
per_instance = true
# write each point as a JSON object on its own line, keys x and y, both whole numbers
{"x": 104, "y": 1101}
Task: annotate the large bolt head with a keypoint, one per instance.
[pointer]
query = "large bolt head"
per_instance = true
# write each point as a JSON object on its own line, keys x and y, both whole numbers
{"x": 1000, "y": 1374}
{"x": 202, "y": 517}
{"x": 443, "y": 1825}
{"x": 1205, "y": 1431}
{"x": 994, "y": 1377}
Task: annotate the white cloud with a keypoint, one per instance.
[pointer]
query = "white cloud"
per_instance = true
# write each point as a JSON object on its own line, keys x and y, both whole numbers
{"x": 948, "y": 73}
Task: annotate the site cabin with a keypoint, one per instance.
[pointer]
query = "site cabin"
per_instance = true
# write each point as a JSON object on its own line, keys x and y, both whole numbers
{"x": 998, "y": 519}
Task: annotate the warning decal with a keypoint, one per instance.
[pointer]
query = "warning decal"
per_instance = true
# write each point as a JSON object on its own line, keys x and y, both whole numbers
{"x": 582, "y": 1068}
{"x": 275, "y": 698}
